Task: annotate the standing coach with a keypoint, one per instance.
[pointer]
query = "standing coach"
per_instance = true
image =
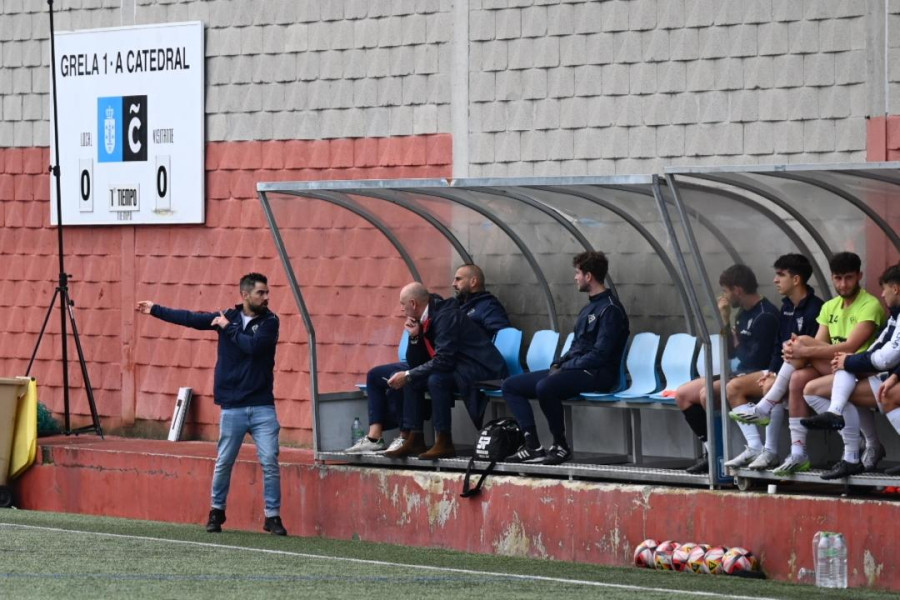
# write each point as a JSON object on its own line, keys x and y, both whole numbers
{"x": 243, "y": 388}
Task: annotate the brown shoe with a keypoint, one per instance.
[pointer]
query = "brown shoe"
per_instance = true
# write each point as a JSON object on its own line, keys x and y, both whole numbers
{"x": 413, "y": 444}
{"x": 443, "y": 448}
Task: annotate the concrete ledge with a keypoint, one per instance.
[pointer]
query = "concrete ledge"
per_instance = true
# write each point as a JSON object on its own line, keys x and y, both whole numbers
{"x": 563, "y": 520}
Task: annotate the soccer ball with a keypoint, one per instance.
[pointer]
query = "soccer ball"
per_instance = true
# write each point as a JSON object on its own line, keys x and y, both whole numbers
{"x": 696, "y": 559}
{"x": 681, "y": 555}
{"x": 739, "y": 559}
{"x": 643, "y": 554}
{"x": 712, "y": 562}
{"x": 662, "y": 556}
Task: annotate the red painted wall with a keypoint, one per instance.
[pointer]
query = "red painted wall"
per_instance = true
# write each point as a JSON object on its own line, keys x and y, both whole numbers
{"x": 579, "y": 521}
{"x": 136, "y": 364}
{"x": 882, "y": 144}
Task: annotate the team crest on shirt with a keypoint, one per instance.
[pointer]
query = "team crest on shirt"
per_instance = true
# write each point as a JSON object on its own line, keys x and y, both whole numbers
{"x": 254, "y": 328}
{"x": 749, "y": 323}
{"x": 471, "y": 312}
{"x": 592, "y": 318}
{"x": 800, "y": 324}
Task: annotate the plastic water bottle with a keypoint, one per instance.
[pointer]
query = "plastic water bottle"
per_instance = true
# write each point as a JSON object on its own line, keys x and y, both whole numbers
{"x": 823, "y": 562}
{"x": 831, "y": 560}
{"x": 356, "y": 432}
{"x": 839, "y": 558}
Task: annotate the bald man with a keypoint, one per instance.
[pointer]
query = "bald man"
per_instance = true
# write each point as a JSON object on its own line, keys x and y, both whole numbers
{"x": 479, "y": 305}
{"x": 447, "y": 353}
{"x": 386, "y": 404}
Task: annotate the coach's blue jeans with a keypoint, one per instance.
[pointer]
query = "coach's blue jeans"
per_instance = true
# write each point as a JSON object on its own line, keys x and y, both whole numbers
{"x": 262, "y": 424}
{"x": 385, "y": 404}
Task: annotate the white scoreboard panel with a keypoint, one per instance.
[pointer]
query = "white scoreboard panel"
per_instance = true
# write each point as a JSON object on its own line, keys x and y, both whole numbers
{"x": 131, "y": 114}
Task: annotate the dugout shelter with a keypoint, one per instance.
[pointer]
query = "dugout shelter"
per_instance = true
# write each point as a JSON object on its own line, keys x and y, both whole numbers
{"x": 667, "y": 236}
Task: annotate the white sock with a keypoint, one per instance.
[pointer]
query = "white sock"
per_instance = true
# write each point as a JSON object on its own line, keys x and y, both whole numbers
{"x": 751, "y": 434}
{"x": 867, "y": 426}
{"x": 817, "y": 403}
{"x": 798, "y": 437}
{"x": 773, "y": 429}
{"x": 894, "y": 418}
{"x": 777, "y": 391}
{"x": 841, "y": 389}
{"x": 850, "y": 434}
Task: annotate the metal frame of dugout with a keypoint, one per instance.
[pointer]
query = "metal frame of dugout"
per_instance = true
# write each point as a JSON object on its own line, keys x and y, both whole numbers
{"x": 693, "y": 220}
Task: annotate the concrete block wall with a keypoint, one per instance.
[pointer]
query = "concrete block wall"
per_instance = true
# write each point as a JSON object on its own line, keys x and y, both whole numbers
{"x": 412, "y": 88}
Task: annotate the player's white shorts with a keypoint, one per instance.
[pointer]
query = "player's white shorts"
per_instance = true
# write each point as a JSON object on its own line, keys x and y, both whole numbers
{"x": 875, "y": 382}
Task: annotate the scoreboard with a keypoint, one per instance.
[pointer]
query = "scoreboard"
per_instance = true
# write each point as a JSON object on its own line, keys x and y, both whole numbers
{"x": 131, "y": 125}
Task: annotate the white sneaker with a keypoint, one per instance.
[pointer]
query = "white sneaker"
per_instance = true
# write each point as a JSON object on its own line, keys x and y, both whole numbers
{"x": 747, "y": 414}
{"x": 744, "y": 458}
{"x": 766, "y": 460}
{"x": 792, "y": 464}
{"x": 398, "y": 441}
{"x": 366, "y": 446}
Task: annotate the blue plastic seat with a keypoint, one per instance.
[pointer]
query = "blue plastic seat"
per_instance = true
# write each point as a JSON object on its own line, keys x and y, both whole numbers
{"x": 404, "y": 344}
{"x": 542, "y": 349}
{"x": 677, "y": 364}
{"x": 540, "y": 354}
{"x": 568, "y": 343}
{"x": 509, "y": 342}
{"x": 401, "y": 355}
{"x": 641, "y": 365}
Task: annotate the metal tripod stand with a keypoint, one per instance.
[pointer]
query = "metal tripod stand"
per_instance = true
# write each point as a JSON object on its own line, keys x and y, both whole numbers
{"x": 66, "y": 307}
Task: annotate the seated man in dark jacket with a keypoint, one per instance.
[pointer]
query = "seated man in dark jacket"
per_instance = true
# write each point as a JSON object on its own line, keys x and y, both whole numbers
{"x": 385, "y": 404}
{"x": 479, "y": 305}
{"x": 591, "y": 364}
{"x": 448, "y": 353}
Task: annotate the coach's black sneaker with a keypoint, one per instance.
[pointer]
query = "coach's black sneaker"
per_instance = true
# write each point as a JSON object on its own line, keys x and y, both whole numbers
{"x": 216, "y": 518}
{"x": 557, "y": 454}
{"x": 843, "y": 469}
{"x": 273, "y": 525}
{"x": 527, "y": 455}
{"x": 699, "y": 467}
{"x": 826, "y": 420}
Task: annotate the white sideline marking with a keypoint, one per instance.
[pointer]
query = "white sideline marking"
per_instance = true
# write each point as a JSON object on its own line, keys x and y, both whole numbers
{"x": 383, "y": 563}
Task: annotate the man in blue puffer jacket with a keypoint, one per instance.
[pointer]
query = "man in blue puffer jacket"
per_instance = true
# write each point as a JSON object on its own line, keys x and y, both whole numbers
{"x": 244, "y": 375}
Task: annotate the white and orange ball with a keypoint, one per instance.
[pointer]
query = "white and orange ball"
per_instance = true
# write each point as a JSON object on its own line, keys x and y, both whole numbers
{"x": 739, "y": 559}
{"x": 662, "y": 556}
{"x": 643, "y": 554}
{"x": 712, "y": 561}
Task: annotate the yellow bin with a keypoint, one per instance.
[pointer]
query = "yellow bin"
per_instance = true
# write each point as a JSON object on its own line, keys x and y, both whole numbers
{"x": 11, "y": 389}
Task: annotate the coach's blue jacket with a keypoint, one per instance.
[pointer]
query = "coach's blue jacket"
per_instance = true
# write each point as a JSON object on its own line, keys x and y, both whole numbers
{"x": 246, "y": 355}
{"x": 486, "y": 311}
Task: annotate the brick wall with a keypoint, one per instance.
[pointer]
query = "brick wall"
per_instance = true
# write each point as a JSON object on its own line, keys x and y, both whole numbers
{"x": 136, "y": 363}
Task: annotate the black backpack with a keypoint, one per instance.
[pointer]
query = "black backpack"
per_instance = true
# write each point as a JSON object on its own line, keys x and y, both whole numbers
{"x": 497, "y": 440}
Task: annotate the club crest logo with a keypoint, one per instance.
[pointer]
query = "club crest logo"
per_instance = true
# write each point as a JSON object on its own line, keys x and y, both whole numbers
{"x": 800, "y": 324}
{"x": 109, "y": 130}
{"x": 254, "y": 328}
{"x": 592, "y": 318}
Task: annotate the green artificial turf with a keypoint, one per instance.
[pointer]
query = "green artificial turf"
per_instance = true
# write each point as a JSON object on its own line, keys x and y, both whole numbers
{"x": 51, "y": 555}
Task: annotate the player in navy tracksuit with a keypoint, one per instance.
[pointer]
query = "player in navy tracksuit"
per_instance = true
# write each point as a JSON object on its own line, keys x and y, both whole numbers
{"x": 799, "y": 310}
{"x": 750, "y": 341}
{"x": 244, "y": 377}
{"x": 385, "y": 404}
{"x": 591, "y": 364}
